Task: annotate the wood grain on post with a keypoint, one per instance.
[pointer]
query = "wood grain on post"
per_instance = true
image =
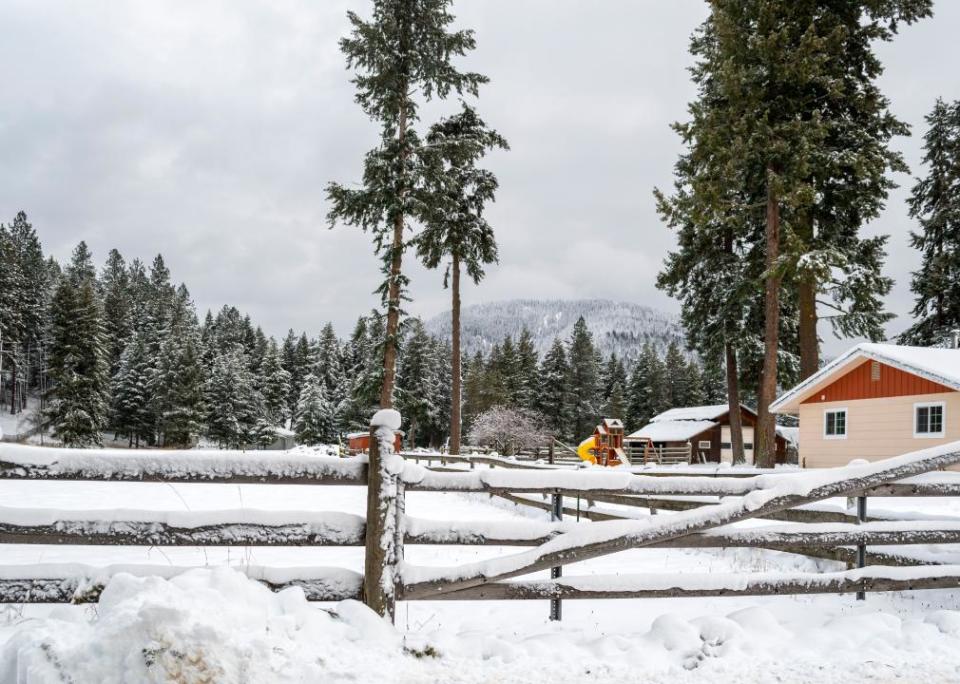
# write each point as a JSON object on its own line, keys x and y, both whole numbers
{"x": 378, "y": 588}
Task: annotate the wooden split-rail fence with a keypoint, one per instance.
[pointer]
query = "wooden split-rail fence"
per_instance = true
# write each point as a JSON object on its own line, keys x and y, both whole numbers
{"x": 703, "y": 510}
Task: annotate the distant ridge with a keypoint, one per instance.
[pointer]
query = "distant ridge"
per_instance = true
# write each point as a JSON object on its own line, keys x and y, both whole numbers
{"x": 619, "y": 327}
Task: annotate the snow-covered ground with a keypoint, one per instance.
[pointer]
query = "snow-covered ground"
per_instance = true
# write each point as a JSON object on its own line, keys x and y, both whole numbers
{"x": 215, "y": 625}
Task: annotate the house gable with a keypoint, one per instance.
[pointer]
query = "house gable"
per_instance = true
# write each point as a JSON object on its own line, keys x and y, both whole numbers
{"x": 874, "y": 380}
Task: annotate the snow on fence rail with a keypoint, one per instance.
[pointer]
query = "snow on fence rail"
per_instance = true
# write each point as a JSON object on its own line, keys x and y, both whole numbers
{"x": 705, "y": 524}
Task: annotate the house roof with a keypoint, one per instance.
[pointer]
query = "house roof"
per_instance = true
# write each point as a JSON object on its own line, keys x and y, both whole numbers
{"x": 932, "y": 363}
{"x": 612, "y": 423}
{"x": 672, "y": 430}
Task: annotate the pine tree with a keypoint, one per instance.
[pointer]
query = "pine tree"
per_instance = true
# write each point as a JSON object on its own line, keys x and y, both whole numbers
{"x": 615, "y": 406}
{"x": 117, "y": 307}
{"x": 494, "y": 390}
{"x": 681, "y": 388}
{"x": 313, "y": 422}
{"x": 613, "y": 375}
{"x": 329, "y": 368}
{"x": 27, "y": 290}
{"x": 935, "y": 205}
{"x": 176, "y": 377}
{"x": 553, "y": 399}
{"x": 509, "y": 369}
{"x": 275, "y": 386}
{"x": 787, "y": 103}
{"x": 584, "y": 380}
{"x": 234, "y": 407}
{"x": 405, "y": 48}
{"x": 647, "y": 394}
{"x": 77, "y": 403}
{"x": 455, "y": 228}
{"x": 712, "y": 382}
{"x": 129, "y": 407}
{"x": 12, "y": 326}
{"x": 417, "y": 382}
{"x": 473, "y": 383}
{"x": 288, "y": 356}
{"x": 442, "y": 353}
{"x": 527, "y": 371}
{"x": 184, "y": 420}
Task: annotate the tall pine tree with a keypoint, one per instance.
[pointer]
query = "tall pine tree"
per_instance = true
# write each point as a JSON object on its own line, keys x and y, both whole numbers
{"x": 935, "y": 205}
{"x": 455, "y": 227}
{"x": 406, "y": 48}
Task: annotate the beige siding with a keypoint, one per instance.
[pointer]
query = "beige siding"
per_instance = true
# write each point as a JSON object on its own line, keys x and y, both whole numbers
{"x": 876, "y": 428}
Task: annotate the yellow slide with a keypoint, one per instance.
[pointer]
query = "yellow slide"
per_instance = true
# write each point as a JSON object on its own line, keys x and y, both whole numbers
{"x": 586, "y": 450}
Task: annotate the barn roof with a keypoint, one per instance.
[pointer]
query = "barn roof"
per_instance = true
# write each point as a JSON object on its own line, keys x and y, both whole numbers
{"x": 936, "y": 364}
{"x": 691, "y": 413}
{"x": 672, "y": 430}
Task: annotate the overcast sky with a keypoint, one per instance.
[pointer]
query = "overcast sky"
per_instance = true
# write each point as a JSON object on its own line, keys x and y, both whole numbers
{"x": 207, "y": 130}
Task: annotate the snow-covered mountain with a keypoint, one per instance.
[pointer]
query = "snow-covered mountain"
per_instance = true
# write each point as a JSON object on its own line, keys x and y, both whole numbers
{"x": 619, "y": 327}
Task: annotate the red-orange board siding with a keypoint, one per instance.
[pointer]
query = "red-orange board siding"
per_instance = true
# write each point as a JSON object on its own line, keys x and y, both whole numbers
{"x": 858, "y": 384}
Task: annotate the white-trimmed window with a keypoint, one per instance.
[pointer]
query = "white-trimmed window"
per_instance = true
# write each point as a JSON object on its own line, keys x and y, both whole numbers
{"x": 928, "y": 419}
{"x": 704, "y": 444}
{"x": 835, "y": 423}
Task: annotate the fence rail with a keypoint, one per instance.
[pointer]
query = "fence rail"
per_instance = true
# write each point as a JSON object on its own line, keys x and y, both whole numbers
{"x": 705, "y": 504}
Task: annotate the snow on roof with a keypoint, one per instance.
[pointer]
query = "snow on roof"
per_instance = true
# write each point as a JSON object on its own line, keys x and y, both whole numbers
{"x": 691, "y": 413}
{"x": 612, "y": 423}
{"x": 790, "y": 434}
{"x": 936, "y": 364}
{"x": 672, "y": 430}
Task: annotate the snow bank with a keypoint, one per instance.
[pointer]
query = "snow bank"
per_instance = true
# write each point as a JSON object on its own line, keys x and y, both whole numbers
{"x": 218, "y": 626}
{"x": 200, "y": 626}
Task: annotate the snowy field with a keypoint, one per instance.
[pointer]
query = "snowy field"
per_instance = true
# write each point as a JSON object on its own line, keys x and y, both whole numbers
{"x": 213, "y": 625}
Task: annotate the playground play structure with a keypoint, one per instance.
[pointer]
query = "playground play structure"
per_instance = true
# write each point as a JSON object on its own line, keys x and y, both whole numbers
{"x": 605, "y": 445}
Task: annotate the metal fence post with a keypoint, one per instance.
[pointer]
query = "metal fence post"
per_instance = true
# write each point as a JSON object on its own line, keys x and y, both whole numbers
{"x": 861, "y": 548}
{"x": 556, "y": 514}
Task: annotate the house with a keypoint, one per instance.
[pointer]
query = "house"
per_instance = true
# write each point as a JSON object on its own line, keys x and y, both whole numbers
{"x": 359, "y": 442}
{"x": 876, "y": 401}
{"x": 696, "y": 434}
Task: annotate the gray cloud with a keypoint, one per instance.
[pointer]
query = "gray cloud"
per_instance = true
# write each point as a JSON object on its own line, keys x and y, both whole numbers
{"x": 208, "y": 130}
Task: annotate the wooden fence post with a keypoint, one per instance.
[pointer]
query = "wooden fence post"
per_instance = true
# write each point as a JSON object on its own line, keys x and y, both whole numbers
{"x": 380, "y": 558}
{"x": 556, "y": 514}
{"x": 861, "y": 548}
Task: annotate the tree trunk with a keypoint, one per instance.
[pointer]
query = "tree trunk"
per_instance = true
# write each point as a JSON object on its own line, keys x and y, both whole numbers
{"x": 807, "y": 296}
{"x": 733, "y": 402}
{"x": 393, "y": 286}
{"x": 455, "y": 358}
{"x": 809, "y": 343}
{"x": 13, "y": 380}
{"x": 765, "y": 442}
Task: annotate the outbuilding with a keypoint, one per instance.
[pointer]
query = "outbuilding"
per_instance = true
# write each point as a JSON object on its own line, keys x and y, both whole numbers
{"x": 359, "y": 442}
{"x": 696, "y": 434}
{"x": 876, "y": 401}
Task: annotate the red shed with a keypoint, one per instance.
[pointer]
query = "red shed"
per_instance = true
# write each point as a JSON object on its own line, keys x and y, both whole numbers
{"x": 359, "y": 442}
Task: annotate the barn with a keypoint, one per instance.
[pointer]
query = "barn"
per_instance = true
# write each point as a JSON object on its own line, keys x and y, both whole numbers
{"x": 696, "y": 434}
